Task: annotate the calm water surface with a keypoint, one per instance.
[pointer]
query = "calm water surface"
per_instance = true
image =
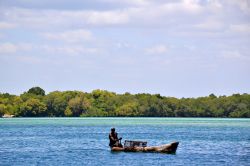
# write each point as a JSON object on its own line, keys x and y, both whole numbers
{"x": 84, "y": 141}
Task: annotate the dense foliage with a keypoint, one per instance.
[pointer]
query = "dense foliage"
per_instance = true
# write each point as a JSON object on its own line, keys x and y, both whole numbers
{"x": 35, "y": 103}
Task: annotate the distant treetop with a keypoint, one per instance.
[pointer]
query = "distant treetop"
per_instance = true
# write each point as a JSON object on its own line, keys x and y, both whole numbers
{"x": 37, "y": 91}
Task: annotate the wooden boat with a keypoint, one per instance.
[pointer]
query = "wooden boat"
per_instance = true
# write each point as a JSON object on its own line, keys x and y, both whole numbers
{"x": 166, "y": 148}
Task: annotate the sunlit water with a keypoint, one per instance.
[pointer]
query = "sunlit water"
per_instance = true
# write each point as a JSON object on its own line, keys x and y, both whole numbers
{"x": 84, "y": 141}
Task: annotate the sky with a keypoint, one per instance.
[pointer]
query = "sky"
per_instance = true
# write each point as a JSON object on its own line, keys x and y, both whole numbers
{"x": 178, "y": 48}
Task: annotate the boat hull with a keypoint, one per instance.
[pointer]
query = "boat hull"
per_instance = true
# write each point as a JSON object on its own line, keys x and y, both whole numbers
{"x": 167, "y": 148}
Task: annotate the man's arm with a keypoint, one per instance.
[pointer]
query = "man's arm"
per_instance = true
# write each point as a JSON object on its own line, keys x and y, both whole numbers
{"x": 112, "y": 138}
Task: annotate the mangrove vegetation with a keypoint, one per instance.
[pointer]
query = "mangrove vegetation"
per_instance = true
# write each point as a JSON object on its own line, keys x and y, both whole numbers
{"x": 102, "y": 103}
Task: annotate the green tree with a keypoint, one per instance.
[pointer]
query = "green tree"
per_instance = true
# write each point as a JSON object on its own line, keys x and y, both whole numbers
{"x": 3, "y": 109}
{"x": 32, "y": 107}
{"x": 68, "y": 112}
{"x": 56, "y": 102}
{"x": 37, "y": 91}
{"x": 103, "y": 101}
{"x": 78, "y": 105}
{"x": 128, "y": 109}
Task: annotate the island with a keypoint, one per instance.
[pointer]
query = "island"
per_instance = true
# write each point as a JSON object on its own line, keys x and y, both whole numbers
{"x": 102, "y": 103}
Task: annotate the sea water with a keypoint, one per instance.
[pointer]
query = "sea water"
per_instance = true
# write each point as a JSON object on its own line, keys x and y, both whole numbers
{"x": 84, "y": 141}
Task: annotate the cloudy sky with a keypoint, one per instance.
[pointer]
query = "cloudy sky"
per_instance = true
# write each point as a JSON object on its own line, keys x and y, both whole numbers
{"x": 180, "y": 48}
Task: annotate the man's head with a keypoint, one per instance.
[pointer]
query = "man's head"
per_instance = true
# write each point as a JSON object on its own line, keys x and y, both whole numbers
{"x": 112, "y": 129}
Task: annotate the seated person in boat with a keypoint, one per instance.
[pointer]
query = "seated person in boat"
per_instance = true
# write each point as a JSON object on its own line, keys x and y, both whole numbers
{"x": 113, "y": 139}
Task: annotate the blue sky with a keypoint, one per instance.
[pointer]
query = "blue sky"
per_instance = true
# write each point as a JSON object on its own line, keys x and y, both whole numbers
{"x": 180, "y": 48}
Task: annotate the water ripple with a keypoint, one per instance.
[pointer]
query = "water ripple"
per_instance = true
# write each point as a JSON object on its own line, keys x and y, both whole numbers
{"x": 84, "y": 141}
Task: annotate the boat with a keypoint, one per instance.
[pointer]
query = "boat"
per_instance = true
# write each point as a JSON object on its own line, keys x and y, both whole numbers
{"x": 8, "y": 116}
{"x": 139, "y": 146}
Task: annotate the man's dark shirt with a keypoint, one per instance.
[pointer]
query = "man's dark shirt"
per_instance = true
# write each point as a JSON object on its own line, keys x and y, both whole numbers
{"x": 112, "y": 141}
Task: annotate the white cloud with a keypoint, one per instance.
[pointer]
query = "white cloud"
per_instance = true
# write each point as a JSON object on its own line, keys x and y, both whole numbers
{"x": 143, "y": 12}
{"x": 30, "y": 59}
{"x": 131, "y": 2}
{"x": 70, "y": 50}
{"x": 234, "y": 54}
{"x": 6, "y": 25}
{"x": 187, "y": 15}
{"x": 244, "y": 5}
{"x": 231, "y": 54}
{"x": 162, "y": 14}
{"x": 10, "y": 48}
{"x": 105, "y": 17}
{"x": 240, "y": 28}
{"x": 210, "y": 25}
{"x": 185, "y": 5}
{"x": 122, "y": 45}
{"x": 63, "y": 18}
{"x": 157, "y": 49}
{"x": 189, "y": 47}
{"x": 70, "y": 36}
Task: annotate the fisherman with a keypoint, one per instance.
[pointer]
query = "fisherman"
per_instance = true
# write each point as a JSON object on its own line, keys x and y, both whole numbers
{"x": 113, "y": 139}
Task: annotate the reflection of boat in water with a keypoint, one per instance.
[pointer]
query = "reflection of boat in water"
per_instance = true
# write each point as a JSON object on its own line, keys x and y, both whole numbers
{"x": 139, "y": 146}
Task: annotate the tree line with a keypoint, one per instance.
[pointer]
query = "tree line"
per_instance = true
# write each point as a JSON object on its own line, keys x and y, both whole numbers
{"x": 102, "y": 103}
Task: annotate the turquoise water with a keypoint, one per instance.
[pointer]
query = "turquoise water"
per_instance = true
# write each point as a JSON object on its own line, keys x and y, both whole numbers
{"x": 84, "y": 141}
